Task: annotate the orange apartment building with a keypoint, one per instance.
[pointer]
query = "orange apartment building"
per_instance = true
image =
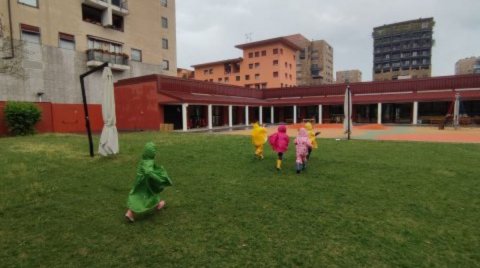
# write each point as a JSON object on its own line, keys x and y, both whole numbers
{"x": 268, "y": 63}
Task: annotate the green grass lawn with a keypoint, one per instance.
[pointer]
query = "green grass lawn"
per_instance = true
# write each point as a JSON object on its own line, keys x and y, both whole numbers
{"x": 359, "y": 203}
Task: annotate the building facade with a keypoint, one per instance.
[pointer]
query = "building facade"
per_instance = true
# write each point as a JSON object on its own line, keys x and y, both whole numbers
{"x": 147, "y": 102}
{"x": 350, "y": 76}
{"x": 314, "y": 61}
{"x": 468, "y": 66}
{"x": 55, "y": 41}
{"x": 265, "y": 64}
{"x": 403, "y": 50}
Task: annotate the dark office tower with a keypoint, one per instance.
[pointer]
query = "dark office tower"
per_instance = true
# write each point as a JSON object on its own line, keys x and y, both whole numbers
{"x": 403, "y": 50}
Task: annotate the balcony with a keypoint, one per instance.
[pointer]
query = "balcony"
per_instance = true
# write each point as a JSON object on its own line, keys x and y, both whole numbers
{"x": 100, "y": 4}
{"x": 120, "y": 7}
{"x": 118, "y": 61}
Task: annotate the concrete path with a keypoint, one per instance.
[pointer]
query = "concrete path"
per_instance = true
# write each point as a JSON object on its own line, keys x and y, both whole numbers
{"x": 386, "y": 132}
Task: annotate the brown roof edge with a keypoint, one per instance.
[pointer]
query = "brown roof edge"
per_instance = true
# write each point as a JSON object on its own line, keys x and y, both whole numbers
{"x": 218, "y": 62}
{"x": 282, "y": 40}
{"x": 135, "y": 80}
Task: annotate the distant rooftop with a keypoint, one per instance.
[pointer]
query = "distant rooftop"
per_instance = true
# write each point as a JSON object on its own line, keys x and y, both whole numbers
{"x": 284, "y": 40}
{"x": 236, "y": 60}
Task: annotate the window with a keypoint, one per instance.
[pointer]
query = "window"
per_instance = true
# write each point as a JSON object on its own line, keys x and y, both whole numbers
{"x": 250, "y": 55}
{"x": 264, "y": 53}
{"x": 66, "y": 41}
{"x": 30, "y": 34}
{"x": 237, "y": 78}
{"x": 211, "y": 80}
{"x": 32, "y": 3}
{"x": 91, "y": 14}
{"x": 220, "y": 79}
{"x": 164, "y": 3}
{"x": 210, "y": 71}
{"x": 166, "y": 66}
{"x": 205, "y": 72}
{"x": 104, "y": 45}
{"x": 275, "y": 51}
{"x": 250, "y": 66}
{"x": 164, "y": 43}
{"x": 290, "y": 66}
{"x": 281, "y": 51}
{"x": 290, "y": 76}
{"x": 227, "y": 80}
{"x": 286, "y": 65}
{"x": 164, "y": 22}
{"x": 117, "y": 22}
{"x": 275, "y": 74}
{"x": 247, "y": 77}
{"x": 136, "y": 55}
{"x": 257, "y": 54}
{"x": 264, "y": 85}
{"x": 257, "y": 76}
{"x": 257, "y": 65}
{"x": 275, "y": 63}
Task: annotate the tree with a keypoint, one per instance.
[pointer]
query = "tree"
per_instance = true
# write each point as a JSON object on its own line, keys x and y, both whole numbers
{"x": 11, "y": 53}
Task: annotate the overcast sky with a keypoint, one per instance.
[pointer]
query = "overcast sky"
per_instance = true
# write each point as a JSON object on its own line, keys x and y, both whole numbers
{"x": 208, "y": 30}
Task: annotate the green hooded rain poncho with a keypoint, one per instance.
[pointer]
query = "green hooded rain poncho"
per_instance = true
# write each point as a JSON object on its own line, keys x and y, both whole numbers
{"x": 149, "y": 182}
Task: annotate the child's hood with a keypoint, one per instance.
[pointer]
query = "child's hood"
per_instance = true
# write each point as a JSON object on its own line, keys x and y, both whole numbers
{"x": 149, "y": 151}
{"x": 302, "y": 132}
{"x": 282, "y": 129}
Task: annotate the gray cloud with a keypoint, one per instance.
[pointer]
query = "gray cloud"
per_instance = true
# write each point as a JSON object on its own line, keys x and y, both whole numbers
{"x": 209, "y": 30}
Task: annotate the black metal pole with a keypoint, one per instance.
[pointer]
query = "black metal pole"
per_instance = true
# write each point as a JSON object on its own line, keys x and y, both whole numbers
{"x": 85, "y": 106}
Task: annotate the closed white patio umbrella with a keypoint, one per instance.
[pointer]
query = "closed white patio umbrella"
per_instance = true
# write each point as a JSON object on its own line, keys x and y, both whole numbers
{"x": 347, "y": 111}
{"x": 456, "y": 111}
{"x": 109, "y": 138}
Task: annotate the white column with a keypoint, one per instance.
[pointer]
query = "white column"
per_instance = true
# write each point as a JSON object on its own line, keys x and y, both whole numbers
{"x": 230, "y": 115}
{"x": 294, "y": 114}
{"x": 415, "y": 112}
{"x": 210, "y": 117}
{"x": 260, "y": 115}
{"x": 184, "y": 117}
{"x": 272, "y": 115}
{"x": 379, "y": 113}
{"x": 320, "y": 115}
{"x": 246, "y": 115}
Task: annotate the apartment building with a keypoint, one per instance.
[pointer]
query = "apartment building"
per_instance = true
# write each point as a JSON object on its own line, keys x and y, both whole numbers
{"x": 350, "y": 76}
{"x": 265, "y": 64}
{"x": 468, "y": 66}
{"x": 403, "y": 50}
{"x": 314, "y": 61}
{"x": 54, "y": 41}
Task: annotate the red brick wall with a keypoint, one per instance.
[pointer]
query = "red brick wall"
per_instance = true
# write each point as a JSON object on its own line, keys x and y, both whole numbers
{"x": 137, "y": 106}
{"x": 63, "y": 118}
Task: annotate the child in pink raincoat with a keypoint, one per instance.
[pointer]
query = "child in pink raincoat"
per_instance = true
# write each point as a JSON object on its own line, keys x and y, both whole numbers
{"x": 279, "y": 142}
{"x": 303, "y": 144}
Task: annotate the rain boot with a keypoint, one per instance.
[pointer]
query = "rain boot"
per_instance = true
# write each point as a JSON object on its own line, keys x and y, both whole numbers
{"x": 279, "y": 164}
{"x": 299, "y": 168}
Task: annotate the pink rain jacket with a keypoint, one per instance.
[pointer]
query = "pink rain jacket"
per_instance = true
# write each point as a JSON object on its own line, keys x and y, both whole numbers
{"x": 302, "y": 143}
{"x": 279, "y": 141}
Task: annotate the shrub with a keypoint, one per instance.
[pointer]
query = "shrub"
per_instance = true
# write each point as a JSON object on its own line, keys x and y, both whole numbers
{"x": 21, "y": 117}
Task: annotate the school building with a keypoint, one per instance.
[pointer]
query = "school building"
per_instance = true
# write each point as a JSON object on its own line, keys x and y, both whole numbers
{"x": 144, "y": 103}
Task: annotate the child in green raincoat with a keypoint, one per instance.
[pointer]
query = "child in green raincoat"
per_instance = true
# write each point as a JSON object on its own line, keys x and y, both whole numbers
{"x": 150, "y": 181}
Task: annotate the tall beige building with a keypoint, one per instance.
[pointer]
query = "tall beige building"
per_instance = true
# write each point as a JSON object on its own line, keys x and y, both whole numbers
{"x": 468, "y": 66}
{"x": 54, "y": 41}
{"x": 352, "y": 76}
{"x": 314, "y": 61}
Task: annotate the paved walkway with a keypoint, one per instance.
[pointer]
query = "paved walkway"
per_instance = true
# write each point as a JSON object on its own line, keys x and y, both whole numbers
{"x": 386, "y": 132}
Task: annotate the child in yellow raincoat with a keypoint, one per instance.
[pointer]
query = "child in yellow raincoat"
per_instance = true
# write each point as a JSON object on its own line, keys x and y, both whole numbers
{"x": 259, "y": 137}
{"x": 312, "y": 135}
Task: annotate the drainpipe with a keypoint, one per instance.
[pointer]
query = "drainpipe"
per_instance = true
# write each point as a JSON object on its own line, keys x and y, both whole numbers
{"x": 11, "y": 33}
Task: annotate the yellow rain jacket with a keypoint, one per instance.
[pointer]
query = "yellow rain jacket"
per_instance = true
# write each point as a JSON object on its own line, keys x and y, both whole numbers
{"x": 259, "y": 135}
{"x": 311, "y": 135}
